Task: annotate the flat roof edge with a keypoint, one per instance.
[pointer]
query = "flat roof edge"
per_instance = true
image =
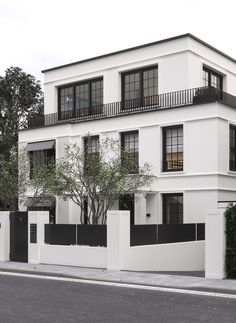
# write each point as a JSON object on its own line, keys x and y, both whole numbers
{"x": 143, "y": 46}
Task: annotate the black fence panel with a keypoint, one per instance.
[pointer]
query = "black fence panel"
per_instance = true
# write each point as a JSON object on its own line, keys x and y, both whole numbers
{"x": 169, "y": 233}
{"x": 200, "y": 231}
{"x": 143, "y": 234}
{"x": 60, "y": 234}
{"x": 92, "y": 235}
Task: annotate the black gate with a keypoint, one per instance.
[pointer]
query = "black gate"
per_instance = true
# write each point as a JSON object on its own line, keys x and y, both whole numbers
{"x": 19, "y": 236}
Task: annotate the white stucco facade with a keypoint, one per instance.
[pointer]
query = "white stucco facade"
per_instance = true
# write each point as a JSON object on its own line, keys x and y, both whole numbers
{"x": 206, "y": 177}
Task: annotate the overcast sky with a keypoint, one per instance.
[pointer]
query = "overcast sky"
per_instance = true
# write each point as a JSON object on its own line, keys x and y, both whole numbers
{"x": 38, "y": 34}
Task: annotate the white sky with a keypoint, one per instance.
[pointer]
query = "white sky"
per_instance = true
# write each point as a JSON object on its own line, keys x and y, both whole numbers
{"x": 36, "y": 35}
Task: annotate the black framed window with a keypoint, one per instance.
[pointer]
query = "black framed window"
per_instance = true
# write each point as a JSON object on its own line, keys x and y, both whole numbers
{"x": 172, "y": 205}
{"x": 80, "y": 99}
{"x": 212, "y": 79}
{"x": 232, "y": 148}
{"x": 173, "y": 148}
{"x": 40, "y": 158}
{"x": 91, "y": 152}
{"x": 140, "y": 87}
{"x": 130, "y": 144}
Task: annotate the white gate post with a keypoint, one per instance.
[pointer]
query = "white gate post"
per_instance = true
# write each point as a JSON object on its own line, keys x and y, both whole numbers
{"x": 4, "y": 235}
{"x": 38, "y": 218}
{"x": 118, "y": 239}
{"x": 215, "y": 244}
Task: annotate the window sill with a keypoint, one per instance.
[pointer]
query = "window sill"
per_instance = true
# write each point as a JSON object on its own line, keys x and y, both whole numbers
{"x": 231, "y": 172}
{"x": 173, "y": 172}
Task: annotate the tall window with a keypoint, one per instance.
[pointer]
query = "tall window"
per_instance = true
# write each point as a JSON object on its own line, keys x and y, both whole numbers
{"x": 232, "y": 148}
{"x": 130, "y": 145}
{"x": 81, "y": 99}
{"x": 213, "y": 79}
{"x": 39, "y": 158}
{"x": 91, "y": 152}
{"x": 140, "y": 87}
{"x": 173, "y": 148}
{"x": 172, "y": 208}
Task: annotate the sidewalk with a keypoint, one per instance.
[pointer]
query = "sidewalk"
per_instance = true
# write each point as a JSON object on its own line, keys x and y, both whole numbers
{"x": 173, "y": 280}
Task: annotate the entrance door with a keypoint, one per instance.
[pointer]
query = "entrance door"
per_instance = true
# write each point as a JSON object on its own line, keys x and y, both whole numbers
{"x": 126, "y": 203}
{"x": 19, "y": 236}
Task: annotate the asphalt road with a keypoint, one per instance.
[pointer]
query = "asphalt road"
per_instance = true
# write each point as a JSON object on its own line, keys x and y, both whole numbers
{"x": 38, "y": 300}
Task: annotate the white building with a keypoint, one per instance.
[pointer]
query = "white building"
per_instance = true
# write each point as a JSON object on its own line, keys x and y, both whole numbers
{"x": 173, "y": 100}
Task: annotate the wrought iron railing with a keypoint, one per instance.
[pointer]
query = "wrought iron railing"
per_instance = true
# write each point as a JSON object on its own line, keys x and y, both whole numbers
{"x": 162, "y": 101}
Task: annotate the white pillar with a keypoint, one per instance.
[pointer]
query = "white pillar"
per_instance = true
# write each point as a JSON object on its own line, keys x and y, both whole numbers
{"x": 40, "y": 218}
{"x": 4, "y": 235}
{"x": 118, "y": 239}
{"x": 215, "y": 244}
{"x": 140, "y": 209}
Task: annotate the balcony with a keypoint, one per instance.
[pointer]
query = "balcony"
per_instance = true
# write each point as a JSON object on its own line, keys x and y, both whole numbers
{"x": 164, "y": 101}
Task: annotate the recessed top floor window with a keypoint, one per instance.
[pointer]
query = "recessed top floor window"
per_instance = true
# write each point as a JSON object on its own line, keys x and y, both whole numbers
{"x": 232, "y": 148}
{"x": 212, "y": 79}
{"x": 173, "y": 148}
{"x": 140, "y": 87}
{"x": 80, "y": 99}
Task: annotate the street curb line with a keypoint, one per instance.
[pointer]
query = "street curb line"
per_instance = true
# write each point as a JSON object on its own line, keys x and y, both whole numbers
{"x": 124, "y": 285}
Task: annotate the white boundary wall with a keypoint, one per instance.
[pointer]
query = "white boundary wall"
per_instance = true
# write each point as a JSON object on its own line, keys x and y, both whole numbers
{"x": 4, "y": 235}
{"x": 82, "y": 256}
{"x": 184, "y": 256}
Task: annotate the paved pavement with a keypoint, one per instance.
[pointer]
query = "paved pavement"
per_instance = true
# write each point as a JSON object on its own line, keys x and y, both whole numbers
{"x": 172, "y": 280}
{"x": 26, "y": 300}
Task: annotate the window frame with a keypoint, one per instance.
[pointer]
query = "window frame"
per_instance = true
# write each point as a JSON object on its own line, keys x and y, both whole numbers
{"x": 122, "y": 135}
{"x": 73, "y": 112}
{"x": 232, "y": 167}
{"x": 164, "y": 213}
{"x": 47, "y": 159}
{"x": 164, "y": 166}
{"x": 86, "y": 153}
{"x": 217, "y": 74}
{"x": 140, "y": 71}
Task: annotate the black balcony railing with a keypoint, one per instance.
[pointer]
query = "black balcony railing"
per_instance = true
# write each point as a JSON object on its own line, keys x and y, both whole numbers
{"x": 162, "y": 101}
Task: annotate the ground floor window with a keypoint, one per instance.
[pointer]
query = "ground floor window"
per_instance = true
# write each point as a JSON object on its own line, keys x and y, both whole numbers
{"x": 172, "y": 208}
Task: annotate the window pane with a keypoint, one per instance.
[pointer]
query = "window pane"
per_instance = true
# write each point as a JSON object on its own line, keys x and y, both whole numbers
{"x": 130, "y": 144}
{"x": 232, "y": 150}
{"x": 173, "y": 149}
{"x": 82, "y": 96}
{"x": 66, "y": 99}
{"x": 172, "y": 208}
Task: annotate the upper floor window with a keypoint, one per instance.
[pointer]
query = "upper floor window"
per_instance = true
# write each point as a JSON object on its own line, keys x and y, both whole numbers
{"x": 130, "y": 145}
{"x": 232, "y": 148}
{"x": 173, "y": 148}
{"x": 41, "y": 154}
{"x": 140, "y": 87}
{"x": 91, "y": 152}
{"x": 212, "y": 78}
{"x": 80, "y": 99}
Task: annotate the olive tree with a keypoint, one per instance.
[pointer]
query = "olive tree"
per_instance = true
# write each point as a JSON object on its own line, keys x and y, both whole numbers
{"x": 99, "y": 174}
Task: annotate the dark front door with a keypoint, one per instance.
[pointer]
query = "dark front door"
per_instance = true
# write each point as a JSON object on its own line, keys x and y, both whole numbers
{"x": 126, "y": 203}
{"x": 19, "y": 236}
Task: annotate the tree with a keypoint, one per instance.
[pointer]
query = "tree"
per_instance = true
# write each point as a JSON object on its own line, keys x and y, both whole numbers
{"x": 13, "y": 183}
{"x": 21, "y": 98}
{"x": 98, "y": 176}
